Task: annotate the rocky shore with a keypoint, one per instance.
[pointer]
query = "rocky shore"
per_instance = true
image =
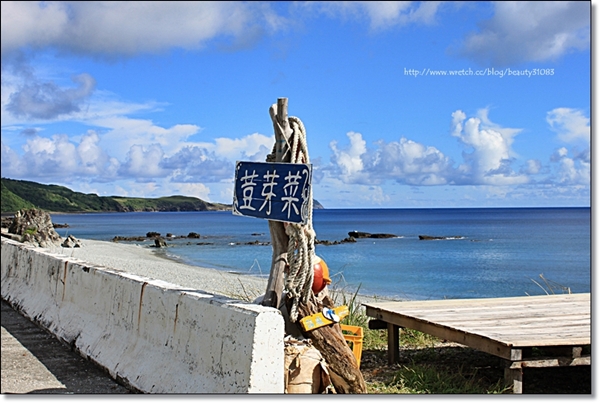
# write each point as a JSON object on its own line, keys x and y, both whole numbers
{"x": 152, "y": 261}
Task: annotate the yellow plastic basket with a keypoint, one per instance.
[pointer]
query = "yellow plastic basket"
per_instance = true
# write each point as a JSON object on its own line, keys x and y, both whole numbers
{"x": 356, "y": 338}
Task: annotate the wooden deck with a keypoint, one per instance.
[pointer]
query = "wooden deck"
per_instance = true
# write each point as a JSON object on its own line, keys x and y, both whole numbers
{"x": 557, "y": 325}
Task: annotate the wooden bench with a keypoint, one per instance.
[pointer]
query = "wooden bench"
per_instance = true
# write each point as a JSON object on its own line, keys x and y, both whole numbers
{"x": 558, "y": 326}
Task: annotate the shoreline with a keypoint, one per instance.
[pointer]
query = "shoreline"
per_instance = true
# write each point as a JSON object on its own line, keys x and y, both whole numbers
{"x": 146, "y": 262}
{"x": 143, "y": 261}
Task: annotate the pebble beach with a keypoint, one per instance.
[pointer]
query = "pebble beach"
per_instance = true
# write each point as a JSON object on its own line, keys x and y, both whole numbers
{"x": 152, "y": 263}
{"x": 148, "y": 262}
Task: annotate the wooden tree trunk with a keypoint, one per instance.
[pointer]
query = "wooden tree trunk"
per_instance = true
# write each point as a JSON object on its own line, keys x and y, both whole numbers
{"x": 279, "y": 239}
{"x": 329, "y": 340}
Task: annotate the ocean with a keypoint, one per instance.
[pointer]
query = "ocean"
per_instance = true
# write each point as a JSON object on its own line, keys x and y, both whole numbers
{"x": 482, "y": 253}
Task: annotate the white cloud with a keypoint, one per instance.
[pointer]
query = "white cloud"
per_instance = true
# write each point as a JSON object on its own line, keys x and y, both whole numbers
{"x": 144, "y": 162}
{"x": 50, "y": 156}
{"x": 487, "y": 159}
{"x": 85, "y": 159}
{"x": 349, "y": 160}
{"x": 198, "y": 190}
{"x": 572, "y": 170}
{"x": 405, "y": 161}
{"x": 12, "y": 164}
{"x": 94, "y": 160}
{"x": 197, "y": 164}
{"x": 533, "y": 167}
{"x": 47, "y": 101}
{"x": 488, "y": 163}
{"x": 129, "y": 28}
{"x": 253, "y": 147}
{"x": 570, "y": 124}
{"x": 29, "y": 23}
{"x": 125, "y": 133}
{"x": 410, "y": 162}
{"x": 381, "y": 14}
{"x": 522, "y": 31}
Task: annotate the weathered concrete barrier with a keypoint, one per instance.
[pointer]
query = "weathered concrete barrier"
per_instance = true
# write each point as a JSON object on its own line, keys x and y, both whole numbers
{"x": 153, "y": 335}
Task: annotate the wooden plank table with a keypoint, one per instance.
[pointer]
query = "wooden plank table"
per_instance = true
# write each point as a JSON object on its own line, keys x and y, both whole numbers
{"x": 557, "y": 325}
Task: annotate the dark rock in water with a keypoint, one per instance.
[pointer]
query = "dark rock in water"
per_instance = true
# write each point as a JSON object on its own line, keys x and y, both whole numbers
{"x": 35, "y": 227}
{"x": 383, "y": 236}
{"x": 60, "y": 225}
{"x": 329, "y": 243}
{"x": 255, "y": 243}
{"x": 71, "y": 242}
{"x": 193, "y": 235}
{"x": 358, "y": 234}
{"x": 118, "y": 238}
{"x": 431, "y": 238}
{"x": 152, "y": 234}
{"x": 160, "y": 243}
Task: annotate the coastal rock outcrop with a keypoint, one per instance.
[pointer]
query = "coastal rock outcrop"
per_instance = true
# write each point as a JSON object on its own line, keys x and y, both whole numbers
{"x": 71, "y": 242}
{"x": 359, "y": 234}
{"x": 35, "y": 227}
{"x": 118, "y": 238}
{"x": 159, "y": 242}
{"x": 432, "y": 238}
{"x": 329, "y": 243}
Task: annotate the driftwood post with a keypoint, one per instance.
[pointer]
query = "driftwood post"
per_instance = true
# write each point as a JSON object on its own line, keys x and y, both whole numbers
{"x": 279, "y": 239}
{"x": 329, "y": 340}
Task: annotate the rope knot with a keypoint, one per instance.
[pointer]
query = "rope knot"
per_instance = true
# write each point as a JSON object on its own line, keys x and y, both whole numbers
{"x": 300, "y": 254}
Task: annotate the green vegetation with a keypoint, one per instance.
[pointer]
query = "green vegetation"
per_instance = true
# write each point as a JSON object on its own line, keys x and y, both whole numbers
{"x": 429, "y": 379}
{"x": 18, "y": 195}
{"x": 11, "y": 202}
{"x": 170, "y": 203}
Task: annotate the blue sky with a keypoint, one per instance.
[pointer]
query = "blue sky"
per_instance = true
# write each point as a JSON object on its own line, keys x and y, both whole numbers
{"x": 405, "y": 104}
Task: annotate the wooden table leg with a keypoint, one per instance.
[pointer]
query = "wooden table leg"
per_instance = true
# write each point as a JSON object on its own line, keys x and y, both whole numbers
{"x": 513, "y": 377}
{"x": 393, "y": 343}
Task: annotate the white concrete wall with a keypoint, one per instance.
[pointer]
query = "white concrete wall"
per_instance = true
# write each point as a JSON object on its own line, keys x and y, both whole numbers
{"x": 155, "y": 336}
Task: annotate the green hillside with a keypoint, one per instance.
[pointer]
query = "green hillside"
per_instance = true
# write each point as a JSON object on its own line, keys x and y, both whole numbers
{"x": 17, "y": 195}
{"x": 170, "y": 203}
{"x": 11, "y": 202}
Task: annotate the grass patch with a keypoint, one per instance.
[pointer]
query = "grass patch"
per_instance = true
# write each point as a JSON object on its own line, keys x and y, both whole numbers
{"x": 427, "y": 379}
{"x": 552, "y": 287}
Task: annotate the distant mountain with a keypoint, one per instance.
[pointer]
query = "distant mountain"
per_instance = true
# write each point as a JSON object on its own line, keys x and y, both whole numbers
{"x": 17, "y": 195}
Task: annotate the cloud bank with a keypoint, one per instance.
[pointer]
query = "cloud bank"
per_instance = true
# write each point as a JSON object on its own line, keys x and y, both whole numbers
{"x": 488, "y": 158}
{"x": 529, "y": 31}
{"x": 127, "y": 28}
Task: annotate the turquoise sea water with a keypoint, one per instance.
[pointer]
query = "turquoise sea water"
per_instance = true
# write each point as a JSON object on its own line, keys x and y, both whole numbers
{"x": 501, "y": 251}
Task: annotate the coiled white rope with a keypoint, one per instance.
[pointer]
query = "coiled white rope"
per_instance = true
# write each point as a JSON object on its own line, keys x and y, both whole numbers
{"x": 299, "y": 277}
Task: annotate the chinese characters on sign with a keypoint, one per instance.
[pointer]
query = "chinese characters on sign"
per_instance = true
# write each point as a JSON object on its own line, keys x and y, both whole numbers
{"x": 271, "y": 190}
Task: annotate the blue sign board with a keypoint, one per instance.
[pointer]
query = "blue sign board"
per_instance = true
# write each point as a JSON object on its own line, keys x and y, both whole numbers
{"x": 273, "y": 190}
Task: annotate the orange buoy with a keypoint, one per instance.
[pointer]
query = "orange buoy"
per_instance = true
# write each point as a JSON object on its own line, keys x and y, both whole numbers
{"x": 321, "y": 275}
